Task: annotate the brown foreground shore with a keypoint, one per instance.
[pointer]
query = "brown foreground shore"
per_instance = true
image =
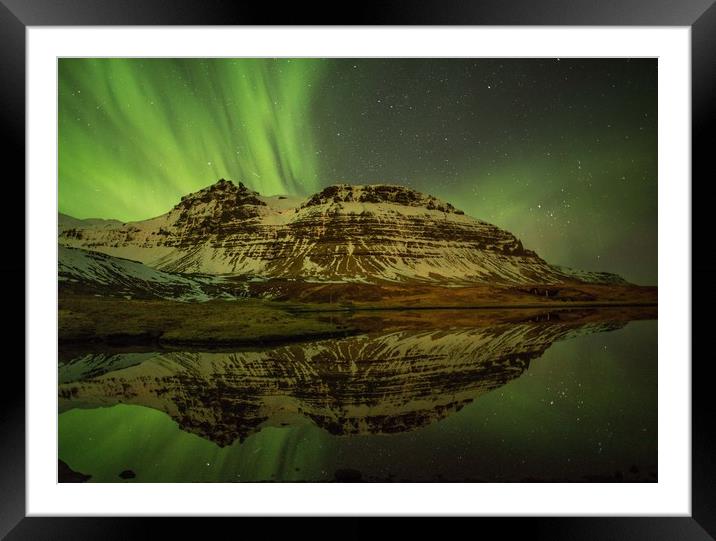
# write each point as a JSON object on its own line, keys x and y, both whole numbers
{"x": 324, "y": 311}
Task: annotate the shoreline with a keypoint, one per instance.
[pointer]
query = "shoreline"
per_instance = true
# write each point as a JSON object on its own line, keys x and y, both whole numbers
{"x": 535, "y": 306}
{"x": 259, "y": 327}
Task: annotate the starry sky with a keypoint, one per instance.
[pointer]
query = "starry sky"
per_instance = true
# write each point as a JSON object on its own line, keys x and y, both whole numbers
{"x": 561, "y": 152}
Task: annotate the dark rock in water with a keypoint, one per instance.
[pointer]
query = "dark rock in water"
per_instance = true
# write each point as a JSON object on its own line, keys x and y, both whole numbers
{"x": 65, "y": 474}
{"x": 348, "y": 476}
{"x": 127, "y": 474}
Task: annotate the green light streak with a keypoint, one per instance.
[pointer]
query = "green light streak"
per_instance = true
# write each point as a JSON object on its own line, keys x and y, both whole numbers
{"x": 137, "y": 134}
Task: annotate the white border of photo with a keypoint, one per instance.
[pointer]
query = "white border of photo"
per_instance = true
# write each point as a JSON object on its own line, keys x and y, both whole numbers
{"x": 671, "y": 495}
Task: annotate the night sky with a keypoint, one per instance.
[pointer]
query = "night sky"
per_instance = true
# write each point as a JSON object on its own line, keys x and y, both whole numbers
{"x": 561, "y": 152}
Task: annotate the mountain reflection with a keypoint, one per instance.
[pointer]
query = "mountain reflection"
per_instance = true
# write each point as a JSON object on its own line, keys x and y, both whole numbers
{"x": 379, "y": 383}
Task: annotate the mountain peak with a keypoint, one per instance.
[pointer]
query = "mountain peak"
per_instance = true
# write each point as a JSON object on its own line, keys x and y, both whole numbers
{"x": 379, "y": 193}
{"x": 223, "y": 191}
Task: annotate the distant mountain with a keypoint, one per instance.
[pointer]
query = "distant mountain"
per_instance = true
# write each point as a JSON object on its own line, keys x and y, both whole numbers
{"x": 66, "y": 221}
{"x": 369, "y": 234}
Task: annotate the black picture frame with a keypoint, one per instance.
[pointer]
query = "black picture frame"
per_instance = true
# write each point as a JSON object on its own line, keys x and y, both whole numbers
{"x": 16, "y": 15}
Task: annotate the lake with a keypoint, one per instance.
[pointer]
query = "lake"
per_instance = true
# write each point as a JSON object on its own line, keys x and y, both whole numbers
{"x": 543, "y": 399}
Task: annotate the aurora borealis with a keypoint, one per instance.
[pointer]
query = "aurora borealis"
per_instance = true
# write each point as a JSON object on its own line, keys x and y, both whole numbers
{"x": 135, "y": 135}
{"x": 561, "y": 152}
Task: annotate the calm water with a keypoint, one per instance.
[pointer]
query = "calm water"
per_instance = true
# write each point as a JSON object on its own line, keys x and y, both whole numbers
{"x": 542, "y": 401}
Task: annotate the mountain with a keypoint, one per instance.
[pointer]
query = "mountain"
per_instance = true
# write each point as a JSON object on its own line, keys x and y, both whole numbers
{"x": 369, "y": 234}
{"x": 97, "y": 273}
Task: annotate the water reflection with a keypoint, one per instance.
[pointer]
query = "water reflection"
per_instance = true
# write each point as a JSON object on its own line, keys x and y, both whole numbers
{"x": 363, "y": 391}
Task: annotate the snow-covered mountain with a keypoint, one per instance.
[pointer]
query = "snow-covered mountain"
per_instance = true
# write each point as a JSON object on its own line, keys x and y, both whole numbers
{"x": 93, "y": 272}
{"x": 370, "y": 233}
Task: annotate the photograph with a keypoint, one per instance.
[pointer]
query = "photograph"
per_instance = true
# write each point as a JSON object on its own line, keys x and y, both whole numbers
{"x": 366, "y": 270}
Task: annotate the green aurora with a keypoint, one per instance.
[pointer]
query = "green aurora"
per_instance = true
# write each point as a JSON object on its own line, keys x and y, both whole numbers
{"x": 563, "y": 153}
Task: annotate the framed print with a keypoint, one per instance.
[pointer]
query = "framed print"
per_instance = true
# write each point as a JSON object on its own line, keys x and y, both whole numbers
{"x": 436, "y": 267}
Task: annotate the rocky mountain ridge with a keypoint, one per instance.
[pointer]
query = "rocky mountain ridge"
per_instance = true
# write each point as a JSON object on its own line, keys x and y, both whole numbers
{"x": 347, "y": 233}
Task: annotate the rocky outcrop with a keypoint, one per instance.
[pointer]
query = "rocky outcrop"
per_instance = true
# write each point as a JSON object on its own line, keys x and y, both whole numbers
{"x": 65, "y": 474}
{"x": 378, "y": 194}
{"x": 372, "y": 233}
